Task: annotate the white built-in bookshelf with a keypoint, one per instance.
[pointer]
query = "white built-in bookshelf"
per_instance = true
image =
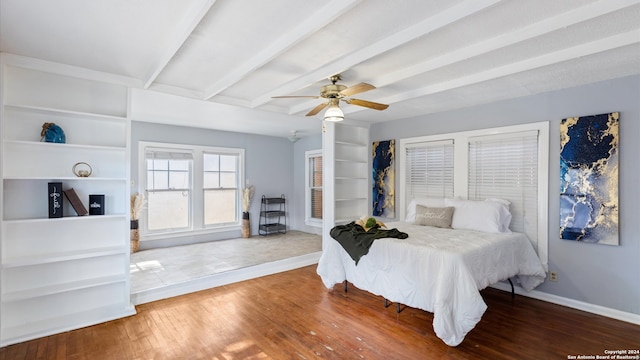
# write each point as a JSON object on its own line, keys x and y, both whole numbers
{"x": 345, "y": 174}
{"x": 63, "y": 273}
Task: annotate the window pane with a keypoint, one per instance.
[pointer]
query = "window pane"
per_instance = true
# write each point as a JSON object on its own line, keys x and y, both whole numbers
{"x": 211, "y": 162}
{"x": 149, "y": 179}
{"x": 178, "y": 180}
{"x": 316, "y": 203}
{"x": 167, "y": 210}
{"x": 220, "y": 206}
{"x": 160, "y": 180}
{"x": 182, "y": 165}
{"x": 315, "y": 164}
{"x": 159, "y": 164}
{"x": 211, "y": 180}
{"x": 228, "y": 180}
{"x": 228, "y": 163}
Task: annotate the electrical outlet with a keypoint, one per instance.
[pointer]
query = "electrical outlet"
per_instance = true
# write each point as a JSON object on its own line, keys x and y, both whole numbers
{"x": 553, "y": 276}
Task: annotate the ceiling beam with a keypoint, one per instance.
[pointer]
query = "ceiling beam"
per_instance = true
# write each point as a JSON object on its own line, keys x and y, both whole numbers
{"x": 180, "y": 35}
{"x": 540, "y": 28}
{"x": 433, "y": 23}
{"x": 304, "y": 29}
{"x": 574, "y": 52}
{"x": 546, "y": 26}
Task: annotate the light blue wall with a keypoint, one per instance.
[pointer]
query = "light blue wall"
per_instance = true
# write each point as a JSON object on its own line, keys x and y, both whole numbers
{"x": 268, "y": 164}
{"x": 603, "y": 275}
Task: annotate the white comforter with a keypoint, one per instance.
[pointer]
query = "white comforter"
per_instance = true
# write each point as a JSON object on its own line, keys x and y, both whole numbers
{"x": 437, "y": 270}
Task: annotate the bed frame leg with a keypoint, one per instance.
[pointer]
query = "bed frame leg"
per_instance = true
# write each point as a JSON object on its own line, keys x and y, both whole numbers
{"x": 387, "y": 303}
{"x": 513, "y": 293}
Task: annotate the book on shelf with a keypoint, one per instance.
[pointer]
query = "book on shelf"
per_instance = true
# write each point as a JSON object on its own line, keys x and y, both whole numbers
{"x": 55, "y": 199}
{"x": 77, "y": 205}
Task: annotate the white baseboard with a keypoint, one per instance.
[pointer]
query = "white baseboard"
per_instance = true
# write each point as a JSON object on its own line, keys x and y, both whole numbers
{"x": 228, "y": 277}
{"x": 574, "y": 304}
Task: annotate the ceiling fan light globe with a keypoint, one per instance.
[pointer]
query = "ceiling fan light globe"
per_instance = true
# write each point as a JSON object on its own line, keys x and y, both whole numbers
{"x": 333, "y": 113}
{"x": 334, "y": 118}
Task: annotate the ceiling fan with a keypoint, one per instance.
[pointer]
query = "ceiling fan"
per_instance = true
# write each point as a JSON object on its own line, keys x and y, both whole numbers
{"x": 336, "y": 92}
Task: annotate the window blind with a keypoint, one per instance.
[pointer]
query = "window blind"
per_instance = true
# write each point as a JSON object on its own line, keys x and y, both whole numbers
{"x": 315, "y": 186}
{"x": 506, "y": 166}
{"x": 158, "y": 154}
{"x": 429, "y": 169}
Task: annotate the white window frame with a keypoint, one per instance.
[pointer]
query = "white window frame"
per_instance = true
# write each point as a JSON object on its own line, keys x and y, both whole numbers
{"x": 308, "y": 220}
{"x": 460, "y": 178}
{"x": 196, "y": 226}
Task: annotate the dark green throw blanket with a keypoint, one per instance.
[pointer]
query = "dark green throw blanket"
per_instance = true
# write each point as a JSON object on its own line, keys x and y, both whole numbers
{"x": 356, "y": 241}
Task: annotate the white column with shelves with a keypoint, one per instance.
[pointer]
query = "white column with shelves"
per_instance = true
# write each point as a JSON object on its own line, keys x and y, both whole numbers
{"x": 62, "y": 273}
{"x": 346, "y": 169}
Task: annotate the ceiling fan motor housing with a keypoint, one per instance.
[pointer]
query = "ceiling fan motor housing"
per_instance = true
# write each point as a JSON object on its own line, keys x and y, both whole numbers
{"x": 332, "y": 91}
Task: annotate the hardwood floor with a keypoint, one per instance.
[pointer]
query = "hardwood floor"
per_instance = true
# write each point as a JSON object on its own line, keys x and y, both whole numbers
{"x": 292, "y": 316}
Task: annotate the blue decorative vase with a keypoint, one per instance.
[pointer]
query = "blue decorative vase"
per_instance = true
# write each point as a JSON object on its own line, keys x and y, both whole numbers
{"x": 52, "y": 133}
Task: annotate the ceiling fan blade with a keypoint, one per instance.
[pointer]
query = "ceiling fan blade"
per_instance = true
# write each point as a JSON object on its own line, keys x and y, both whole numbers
{"x": 317, "y": 109}
{"x": 294, "y": 96}
{"x": 367, "y": 104}
{"x": 356, "y": 89}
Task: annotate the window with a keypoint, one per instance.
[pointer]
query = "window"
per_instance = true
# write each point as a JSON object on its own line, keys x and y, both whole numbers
{"x": 313, "y": 201}
{"x": 429, "y": 169}
{"x": 506, "y": 167}
{"x": 168, "y": 189}
{"x": 190, "y": 188}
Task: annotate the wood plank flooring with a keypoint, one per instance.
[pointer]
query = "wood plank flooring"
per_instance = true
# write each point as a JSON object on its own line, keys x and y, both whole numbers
{"x": 292, "y": 316}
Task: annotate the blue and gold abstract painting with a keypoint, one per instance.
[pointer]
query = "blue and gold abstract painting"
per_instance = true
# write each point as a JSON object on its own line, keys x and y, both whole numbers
{"x": 589, "y": 179}
{"x": 383, "y": 156}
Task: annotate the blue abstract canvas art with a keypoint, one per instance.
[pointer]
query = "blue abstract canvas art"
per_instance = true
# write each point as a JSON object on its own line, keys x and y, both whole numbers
{"x": 589, "y": 179}
{"x": 383, "y": 156}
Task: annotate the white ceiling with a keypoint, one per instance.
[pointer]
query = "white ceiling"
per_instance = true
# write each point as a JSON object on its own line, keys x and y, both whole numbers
{"x": 424, "y": 56}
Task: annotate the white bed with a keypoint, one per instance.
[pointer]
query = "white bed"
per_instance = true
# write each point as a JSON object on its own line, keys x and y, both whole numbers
{"x": 437, "y": 270}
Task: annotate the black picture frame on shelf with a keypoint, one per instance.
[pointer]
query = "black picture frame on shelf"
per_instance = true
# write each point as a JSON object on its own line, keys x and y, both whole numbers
{"x": 54, "y": 195}
{"x": 96, "y": 204}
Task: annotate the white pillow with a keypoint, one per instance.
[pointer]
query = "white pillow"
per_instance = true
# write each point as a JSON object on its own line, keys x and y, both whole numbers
{"x": 505, "y": 214}
{"x": 424, "y": 201}
{"x": 485, "y": 216}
